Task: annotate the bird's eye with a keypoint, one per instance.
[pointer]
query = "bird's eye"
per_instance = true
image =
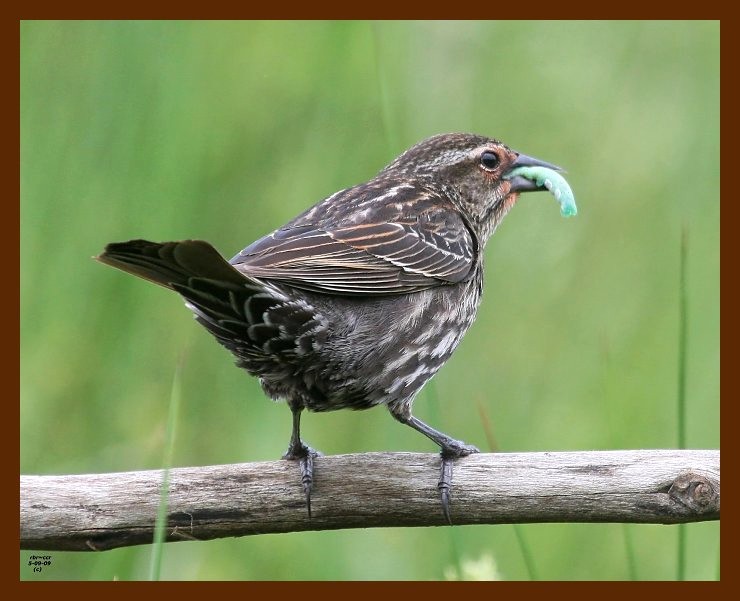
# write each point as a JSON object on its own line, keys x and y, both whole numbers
{"x": 489, "y": 160}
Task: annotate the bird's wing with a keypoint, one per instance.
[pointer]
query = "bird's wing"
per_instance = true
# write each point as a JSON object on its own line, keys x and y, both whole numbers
{"x": 384, "y": 252}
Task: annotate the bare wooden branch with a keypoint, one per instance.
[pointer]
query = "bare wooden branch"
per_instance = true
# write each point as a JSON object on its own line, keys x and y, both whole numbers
{"x": 93, "y": 512}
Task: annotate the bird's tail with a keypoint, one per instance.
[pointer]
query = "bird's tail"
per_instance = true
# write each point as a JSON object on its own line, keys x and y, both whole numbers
{"x": 225, "y": 301}
{"x": 170, "y": 264}
{"x": 241, "y": 312}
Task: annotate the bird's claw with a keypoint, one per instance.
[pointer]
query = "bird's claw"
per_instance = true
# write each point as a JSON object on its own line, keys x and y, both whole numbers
{"x": 305, "y": 456}
{"x": 449, "y": 453}
{"x": 457, "y": 448}
{"x": 444, "y": 485}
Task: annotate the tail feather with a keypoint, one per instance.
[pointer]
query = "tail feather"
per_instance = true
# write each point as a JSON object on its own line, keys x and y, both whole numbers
{"x": 253, "y": 322}
{"x": 170, "y": 263}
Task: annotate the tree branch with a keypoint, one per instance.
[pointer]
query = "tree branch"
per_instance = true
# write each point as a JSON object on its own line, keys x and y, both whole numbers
{"x": 103, "y": 511}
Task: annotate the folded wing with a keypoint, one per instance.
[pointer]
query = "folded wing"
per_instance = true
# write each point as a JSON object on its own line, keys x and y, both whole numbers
{"x": 396, "y": 254}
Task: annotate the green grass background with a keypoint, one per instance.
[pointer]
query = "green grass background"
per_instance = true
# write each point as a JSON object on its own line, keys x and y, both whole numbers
{"x": 225, "y": 130}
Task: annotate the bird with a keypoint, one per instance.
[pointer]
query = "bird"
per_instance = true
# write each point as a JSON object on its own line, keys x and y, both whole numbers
{"x": 362, "y": 298}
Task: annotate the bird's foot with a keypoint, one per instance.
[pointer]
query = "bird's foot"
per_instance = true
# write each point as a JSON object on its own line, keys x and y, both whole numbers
{"x": 449, "y": 453}
{"x": 304, "y": 455}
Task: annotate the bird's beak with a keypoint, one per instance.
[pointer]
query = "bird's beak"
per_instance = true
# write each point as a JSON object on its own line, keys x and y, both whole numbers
{"x": 522, "y": 184}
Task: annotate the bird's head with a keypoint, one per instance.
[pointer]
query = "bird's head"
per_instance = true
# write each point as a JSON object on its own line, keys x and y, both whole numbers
{"x": 473, "y": 167}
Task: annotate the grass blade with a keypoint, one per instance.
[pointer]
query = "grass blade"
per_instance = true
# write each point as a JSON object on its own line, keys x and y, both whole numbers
{"x": 160, "y": 526}
{"x": 682, "y": 327}
{"x": 518, "y": 528}
{"x": 391, "y": 131}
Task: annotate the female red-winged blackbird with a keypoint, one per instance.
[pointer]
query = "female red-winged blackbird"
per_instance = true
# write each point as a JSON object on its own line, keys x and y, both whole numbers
{"x": 361, "y": 299}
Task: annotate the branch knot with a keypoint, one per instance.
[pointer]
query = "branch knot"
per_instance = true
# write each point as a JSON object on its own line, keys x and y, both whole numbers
{"x": 694, "y": 491}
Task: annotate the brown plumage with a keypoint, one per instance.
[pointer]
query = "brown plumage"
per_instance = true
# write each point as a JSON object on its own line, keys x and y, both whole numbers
{"x": 362, "y": 298}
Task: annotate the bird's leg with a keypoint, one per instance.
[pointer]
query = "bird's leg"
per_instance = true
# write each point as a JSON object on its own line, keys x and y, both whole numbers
{"x": 450, "y": 449}
{"x": 298, "y": 450}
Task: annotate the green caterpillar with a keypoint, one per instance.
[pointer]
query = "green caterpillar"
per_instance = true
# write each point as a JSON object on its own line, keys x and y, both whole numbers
{"x": 554, "y": 182}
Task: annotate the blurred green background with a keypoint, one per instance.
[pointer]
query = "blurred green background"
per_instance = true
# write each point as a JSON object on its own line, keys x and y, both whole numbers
{"x": 225, "y": 130}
